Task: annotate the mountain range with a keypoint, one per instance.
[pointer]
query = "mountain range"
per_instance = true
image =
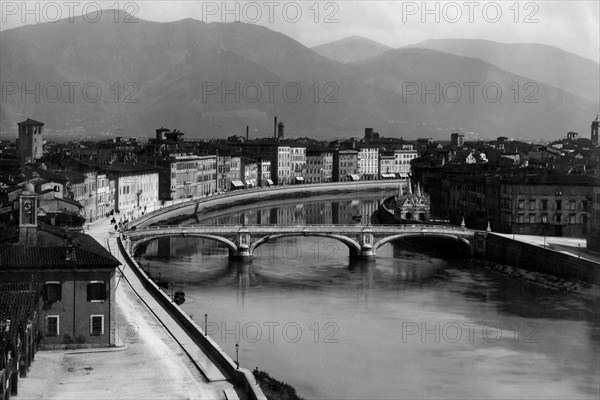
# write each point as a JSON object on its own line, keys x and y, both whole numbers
{"x": 211, "y": 80}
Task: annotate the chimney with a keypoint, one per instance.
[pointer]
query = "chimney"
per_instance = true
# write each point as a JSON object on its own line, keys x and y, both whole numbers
{"x": 275, "y": 129}
{"x": 247, "y": 133}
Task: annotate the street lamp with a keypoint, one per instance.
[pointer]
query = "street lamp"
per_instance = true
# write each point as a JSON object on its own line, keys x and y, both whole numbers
{"x": 205, "y": 324}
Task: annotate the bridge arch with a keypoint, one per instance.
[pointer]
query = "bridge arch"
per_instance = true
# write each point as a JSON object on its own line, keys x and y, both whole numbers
{"x": 352, "y": 244}
{"x": 230, "y": 245}
{"x": 391, "y": 238}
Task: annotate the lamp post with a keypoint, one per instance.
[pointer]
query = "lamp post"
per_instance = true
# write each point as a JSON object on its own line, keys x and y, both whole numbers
{"x": 205, "y": 324}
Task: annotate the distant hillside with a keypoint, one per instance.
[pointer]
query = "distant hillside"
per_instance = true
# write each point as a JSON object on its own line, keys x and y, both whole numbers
{"x": 351, "y": 49}
{"x": 211, "y": 80}
{"x": 547, "y": 64}
{"x": 522, "y": 109}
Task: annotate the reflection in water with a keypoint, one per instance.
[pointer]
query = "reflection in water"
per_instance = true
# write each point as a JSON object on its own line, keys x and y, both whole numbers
{"x": 407, "y": 325}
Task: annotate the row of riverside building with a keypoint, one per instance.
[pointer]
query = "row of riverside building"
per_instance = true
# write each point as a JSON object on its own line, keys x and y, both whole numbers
{"x": 127, "y": 177}
{"x": 518, "y": 187}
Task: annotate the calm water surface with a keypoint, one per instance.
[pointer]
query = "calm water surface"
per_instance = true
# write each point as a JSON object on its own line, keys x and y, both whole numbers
{"x": 408, "y": 325}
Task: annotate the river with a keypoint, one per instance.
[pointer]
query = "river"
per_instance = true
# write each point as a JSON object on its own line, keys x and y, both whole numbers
{"x": 408, "y": 325}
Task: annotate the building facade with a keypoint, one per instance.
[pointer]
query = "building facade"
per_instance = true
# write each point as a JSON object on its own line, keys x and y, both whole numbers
{"x": 207, "y": 175}
{"x": 136, "y": 186}
{"x": 368, "y": 163}
{"x": 319, "y": 166}
{"x": 402, "y": 159}
{"x": 77, "y": 276}
{"x": 552, "y": 206}
{"x": 593, "y": 234}
{"x": 345, "y": 165}
{"x": 264, "y": 172}
{"x": 298, "y": 164}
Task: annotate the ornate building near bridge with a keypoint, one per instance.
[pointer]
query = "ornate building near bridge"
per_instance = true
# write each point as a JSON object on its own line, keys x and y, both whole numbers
{"x": 411, "y": 206}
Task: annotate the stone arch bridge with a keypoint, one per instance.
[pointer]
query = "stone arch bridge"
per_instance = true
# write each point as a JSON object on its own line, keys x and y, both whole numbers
{"x": 362, "y": 241}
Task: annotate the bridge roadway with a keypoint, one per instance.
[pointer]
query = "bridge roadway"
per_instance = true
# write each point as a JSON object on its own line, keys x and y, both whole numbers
{"x": 362, "y": 240}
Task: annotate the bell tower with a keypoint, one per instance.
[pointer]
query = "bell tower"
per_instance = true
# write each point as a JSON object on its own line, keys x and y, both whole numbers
{"x": 28, "y": 216}
{"x": 594, "y": 136}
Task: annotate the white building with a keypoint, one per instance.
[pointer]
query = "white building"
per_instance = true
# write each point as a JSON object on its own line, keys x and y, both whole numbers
{"x": 298, "y": 164}
{"x": 368, "y": 163}
{"x": 136, "y": 186}
{"x": 402, "y": 159}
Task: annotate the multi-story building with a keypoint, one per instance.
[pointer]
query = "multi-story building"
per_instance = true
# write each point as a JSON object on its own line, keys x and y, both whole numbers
{"x": 319, "y": 165}
{"x": 298, "y": 164}
{"x": 387, "y": 165}
{"x": 78, "y": 277}
{"x": 402, "y": 159}
{"x": 249, "y": 172}
{"x": 235, "y": 173}
{"x": 279, "y": 154}
{"x": 554, "y": 205}
{"x": 368, "y": 163}
{"x": 207, "y": 174}
{"x": 178, "y": 177}
{"x": 345, "y": 166}
{"x": 223, "y": 168}
{"x": 593, "y": 234}
{"x": 264, "y": 172}
{"x": 136, "y": 186}
{"x": 30, "y": 143}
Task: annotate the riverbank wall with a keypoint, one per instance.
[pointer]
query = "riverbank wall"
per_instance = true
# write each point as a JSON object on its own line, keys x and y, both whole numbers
{"x": 241, "y": 377}
{"x": 531, "y": 257}
{"x": 248, "y": 196}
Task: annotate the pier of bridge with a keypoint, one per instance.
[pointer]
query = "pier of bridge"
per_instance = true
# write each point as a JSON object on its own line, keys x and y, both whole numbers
{"x": 361, "y": 240}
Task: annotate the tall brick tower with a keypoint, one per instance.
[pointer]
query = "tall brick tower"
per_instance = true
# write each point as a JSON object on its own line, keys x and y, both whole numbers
{"x": 30, "y": 142}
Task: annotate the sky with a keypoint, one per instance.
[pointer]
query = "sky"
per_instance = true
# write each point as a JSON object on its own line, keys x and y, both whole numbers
{"x": 571, "y": 25}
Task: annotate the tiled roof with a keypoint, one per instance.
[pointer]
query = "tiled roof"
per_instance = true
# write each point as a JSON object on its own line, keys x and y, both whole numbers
{"x": 88, "y": 254}
{"x": 30, "y": 122}
{"x": 137, "y": 167}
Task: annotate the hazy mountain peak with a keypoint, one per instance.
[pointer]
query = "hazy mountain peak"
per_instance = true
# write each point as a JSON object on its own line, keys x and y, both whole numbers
{"x": 548, "y": 64}
{"x": 351, "y": 49}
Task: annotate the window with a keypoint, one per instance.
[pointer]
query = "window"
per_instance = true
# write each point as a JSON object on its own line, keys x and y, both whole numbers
{"x": 96, "y": 291}
{"x": 572, "y": 218}
{"x": 521, "y": 218}
{"x": 532, "y": 204}
{"x": 558, "y": 217}
{"x": 544, "y": 204}
{"x": 531, "y": 218}
{"x": 96, "y": 325}
{"x": 52, "y": 325}
{"x": 572, "y": 205}
{"x": 544, "y": 218}
{"x": 558, "y": 204}
{"x": 52, "y": 292}
{"x": 521, "y": 204}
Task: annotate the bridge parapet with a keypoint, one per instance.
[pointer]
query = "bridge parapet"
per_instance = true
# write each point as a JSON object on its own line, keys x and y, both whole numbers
{"x": 360, "y": 239}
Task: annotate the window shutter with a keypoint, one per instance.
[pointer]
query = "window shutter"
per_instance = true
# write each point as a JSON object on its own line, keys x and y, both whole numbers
{"x": 89, "y": 294}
